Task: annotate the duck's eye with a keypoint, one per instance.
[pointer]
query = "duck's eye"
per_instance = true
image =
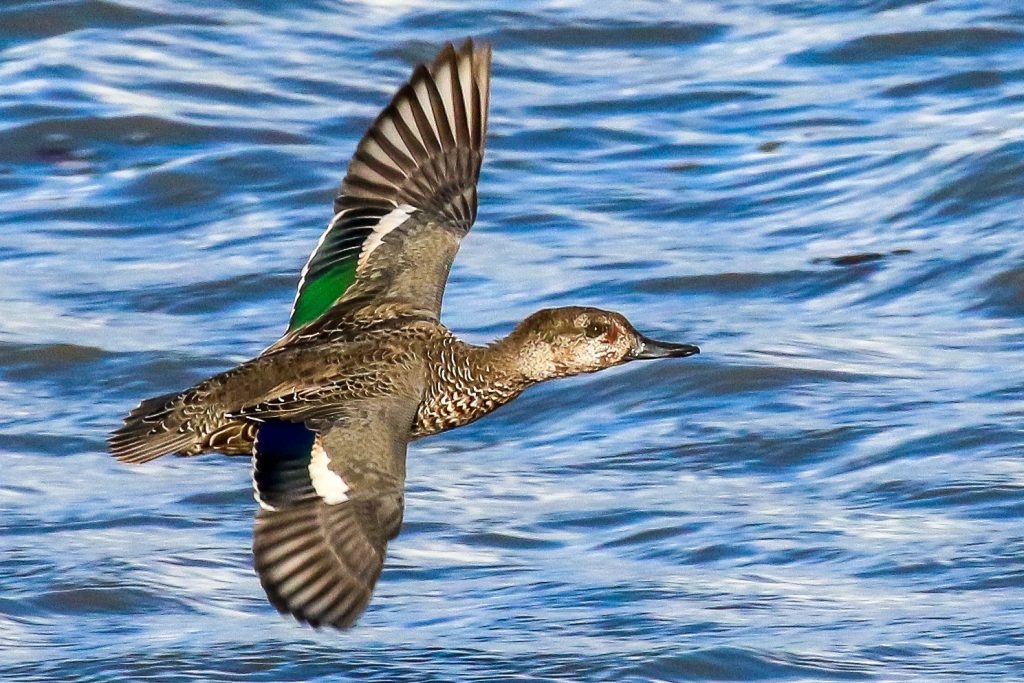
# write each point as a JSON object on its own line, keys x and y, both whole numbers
{"x": 596, "y": 329}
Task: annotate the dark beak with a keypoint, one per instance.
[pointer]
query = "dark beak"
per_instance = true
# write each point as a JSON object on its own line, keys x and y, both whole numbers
{"x": 650, "y": 348}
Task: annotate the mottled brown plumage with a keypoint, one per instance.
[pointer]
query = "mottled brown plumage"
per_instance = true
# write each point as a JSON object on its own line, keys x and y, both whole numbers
{"x": 366, "y": 366}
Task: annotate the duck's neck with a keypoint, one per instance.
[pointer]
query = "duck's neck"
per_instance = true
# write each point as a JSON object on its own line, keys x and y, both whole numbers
{"x": 467, "y": 382}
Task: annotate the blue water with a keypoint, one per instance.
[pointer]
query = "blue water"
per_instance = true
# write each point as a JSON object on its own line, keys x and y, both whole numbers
{"x": 827, "y": 197}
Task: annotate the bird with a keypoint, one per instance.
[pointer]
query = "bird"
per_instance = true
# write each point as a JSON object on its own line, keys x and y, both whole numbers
{"x": 365, "y": 365}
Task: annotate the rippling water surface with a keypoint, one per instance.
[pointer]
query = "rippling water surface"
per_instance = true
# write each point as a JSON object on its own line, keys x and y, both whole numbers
{"x": 827, "y": 197}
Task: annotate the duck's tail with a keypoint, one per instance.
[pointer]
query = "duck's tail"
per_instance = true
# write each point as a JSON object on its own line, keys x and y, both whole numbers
{"x": 153, "y": 429}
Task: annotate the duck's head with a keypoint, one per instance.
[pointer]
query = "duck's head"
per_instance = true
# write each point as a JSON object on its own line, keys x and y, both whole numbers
{"x": 557, "y": 342}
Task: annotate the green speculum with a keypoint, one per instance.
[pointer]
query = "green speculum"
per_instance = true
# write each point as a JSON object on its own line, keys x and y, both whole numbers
{"x": 320, "y": 294}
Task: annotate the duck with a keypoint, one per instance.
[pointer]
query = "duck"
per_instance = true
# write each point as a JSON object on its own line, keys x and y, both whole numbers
{"x": 366, "y": 366}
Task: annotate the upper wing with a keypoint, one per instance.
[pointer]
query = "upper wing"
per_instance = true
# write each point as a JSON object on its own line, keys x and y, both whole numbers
{"x": 410, "y": 192}
{"x": 331, "y": 496}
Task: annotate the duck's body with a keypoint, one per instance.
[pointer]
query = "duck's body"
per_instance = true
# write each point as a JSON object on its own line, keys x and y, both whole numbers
{"x": 452, "y": 382}
{"x": 366, "y": 365}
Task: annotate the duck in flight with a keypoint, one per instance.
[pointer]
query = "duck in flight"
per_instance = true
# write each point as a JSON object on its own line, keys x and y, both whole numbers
{"x": 366, "y": 365}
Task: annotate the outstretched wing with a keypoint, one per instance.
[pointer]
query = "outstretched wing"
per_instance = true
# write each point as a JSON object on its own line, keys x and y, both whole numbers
{"x": 331, "y": 496}
{"x": 410, "y": 193}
